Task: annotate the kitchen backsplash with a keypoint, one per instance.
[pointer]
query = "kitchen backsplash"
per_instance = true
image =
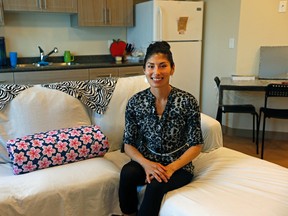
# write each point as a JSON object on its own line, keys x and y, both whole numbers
{"x": 24, "y": 32}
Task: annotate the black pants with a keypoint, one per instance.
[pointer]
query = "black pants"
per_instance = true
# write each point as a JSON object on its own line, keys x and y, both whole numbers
{"x": 133, "y": 175}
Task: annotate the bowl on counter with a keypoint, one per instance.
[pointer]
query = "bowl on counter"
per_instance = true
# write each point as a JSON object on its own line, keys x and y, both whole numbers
{"x": 134, "y": 58}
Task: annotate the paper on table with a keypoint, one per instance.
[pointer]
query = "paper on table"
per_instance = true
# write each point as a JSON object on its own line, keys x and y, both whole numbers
{"x": 243, "y": 77}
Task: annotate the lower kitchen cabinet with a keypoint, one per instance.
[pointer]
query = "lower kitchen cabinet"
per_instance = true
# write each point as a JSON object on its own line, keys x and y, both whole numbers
{"x": 130, "y": 71}
{"x": 115, "y": 72}
{"x": 41, "y": 77}
{"x": 102, "y": 72}
{"x": 6, "y": 78}
{"x": 52, "y": 76}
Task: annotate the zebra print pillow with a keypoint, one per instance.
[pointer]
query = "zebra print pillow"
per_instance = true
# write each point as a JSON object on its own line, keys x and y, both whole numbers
{"x": 95, "y": 94}
{"x": 10, "y": 91}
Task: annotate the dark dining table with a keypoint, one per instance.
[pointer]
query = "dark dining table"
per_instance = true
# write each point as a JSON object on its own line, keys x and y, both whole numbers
{"x": 227, "y": 84}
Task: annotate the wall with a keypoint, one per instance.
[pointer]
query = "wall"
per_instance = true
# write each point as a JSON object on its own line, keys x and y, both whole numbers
{"x": 253, "y": 24}
{"x": 220, "y": 23}
{"x": 250, "y": 23}
{"x": 260, "y": 25}
{"x": 23, "y": 33}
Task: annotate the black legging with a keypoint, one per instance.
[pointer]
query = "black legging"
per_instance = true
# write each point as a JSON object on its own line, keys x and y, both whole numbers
{"x": 133, "y": 175}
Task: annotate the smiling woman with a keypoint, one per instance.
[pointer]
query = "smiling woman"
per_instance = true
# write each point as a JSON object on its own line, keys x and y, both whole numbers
{"x": 162, "y": 136}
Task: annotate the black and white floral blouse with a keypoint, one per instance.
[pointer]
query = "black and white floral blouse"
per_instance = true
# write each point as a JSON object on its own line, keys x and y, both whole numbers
{"x": 163, "y": 139}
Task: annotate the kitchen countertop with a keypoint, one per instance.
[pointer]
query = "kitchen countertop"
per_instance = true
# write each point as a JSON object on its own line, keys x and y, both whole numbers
{"x": 80, "y": 62}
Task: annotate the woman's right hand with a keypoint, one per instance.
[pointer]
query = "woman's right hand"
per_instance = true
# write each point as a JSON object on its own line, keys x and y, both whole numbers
{"x": 154, "y": 170}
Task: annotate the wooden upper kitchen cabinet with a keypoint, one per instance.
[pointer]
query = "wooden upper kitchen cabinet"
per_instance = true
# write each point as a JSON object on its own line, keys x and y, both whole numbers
{"x": 1, "y": 13}
{"x": 119, "y": 12}
{"x": 21, "y": 5}
{"x": 61, "y": 6}
{"x": 104, "y": 13}
{"x": 67, "y": 6}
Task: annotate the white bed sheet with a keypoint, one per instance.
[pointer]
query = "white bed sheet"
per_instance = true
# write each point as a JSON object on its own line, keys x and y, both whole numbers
{"x": 226, "y": 182}
{"x": 229, "y": 183}
{"x": 89, "y": 187}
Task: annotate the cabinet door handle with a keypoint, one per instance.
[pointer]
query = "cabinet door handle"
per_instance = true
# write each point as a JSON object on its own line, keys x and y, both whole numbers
{"x": 104, "y": 15}
{"x": 45, "y": 4}
{"x": 108, "y": 16}
{"x": 104, "y": 75}
{"x": 131, "y": 74}
{"x": 1, "y": 14}
{"x": 39, "y": 4}
{"x": 160, "y": 22}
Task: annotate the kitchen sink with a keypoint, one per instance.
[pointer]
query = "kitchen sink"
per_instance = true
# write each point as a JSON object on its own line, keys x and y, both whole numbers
{"x": 57, "y": 64}
{"x": 50, "y": 64}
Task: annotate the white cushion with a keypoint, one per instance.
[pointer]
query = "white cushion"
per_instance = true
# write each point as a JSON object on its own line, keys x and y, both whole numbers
{"x": 40, "y": 109}
{"x": 113, "y": 121}
{"x": 212, "y": 133}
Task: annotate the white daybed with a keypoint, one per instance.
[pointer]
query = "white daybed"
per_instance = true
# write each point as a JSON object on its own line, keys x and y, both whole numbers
{"x": 226, "y": 182}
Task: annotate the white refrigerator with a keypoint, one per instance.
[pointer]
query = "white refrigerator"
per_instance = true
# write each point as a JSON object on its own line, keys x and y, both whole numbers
{"x": 179, "y": 23}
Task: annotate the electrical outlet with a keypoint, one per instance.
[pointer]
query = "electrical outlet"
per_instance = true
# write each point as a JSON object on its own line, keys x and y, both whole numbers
{"x": 109, "y": 43}
{"x": 231, "y": 43}
{"x": 282, "y": 6}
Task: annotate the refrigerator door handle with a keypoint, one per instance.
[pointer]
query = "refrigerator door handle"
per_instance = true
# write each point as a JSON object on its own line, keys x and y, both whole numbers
{"x": 160, "y": 22}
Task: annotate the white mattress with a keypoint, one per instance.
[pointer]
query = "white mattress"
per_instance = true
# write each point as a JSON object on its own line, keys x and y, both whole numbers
{"x": 229, "y": 183}
{"x": 226, "y": 182}
{"x": 79, "y": 188}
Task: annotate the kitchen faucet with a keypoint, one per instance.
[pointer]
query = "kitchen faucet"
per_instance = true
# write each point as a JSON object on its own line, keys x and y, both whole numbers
{"x": 43, "y": 57}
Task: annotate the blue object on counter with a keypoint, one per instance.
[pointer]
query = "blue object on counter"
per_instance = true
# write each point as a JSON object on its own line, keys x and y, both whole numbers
{"x": 13, "y": 59}
{"x": 43, "y": 63}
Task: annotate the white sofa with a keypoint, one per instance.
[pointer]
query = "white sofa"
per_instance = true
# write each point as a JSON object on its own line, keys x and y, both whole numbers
{"x": 226, "y": 182}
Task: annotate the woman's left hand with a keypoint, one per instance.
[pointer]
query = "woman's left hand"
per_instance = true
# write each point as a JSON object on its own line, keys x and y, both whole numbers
{"x": 161, "y": 173}
{"x": 154, "y": 170}
{"x": 169, "y": 171}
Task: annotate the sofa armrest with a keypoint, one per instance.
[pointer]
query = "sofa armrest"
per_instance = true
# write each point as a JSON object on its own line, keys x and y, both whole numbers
{"x": 212, "y": 133}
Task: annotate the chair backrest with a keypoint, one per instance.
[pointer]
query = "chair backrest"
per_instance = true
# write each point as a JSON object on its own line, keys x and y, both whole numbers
{"x": 217, "y": 81}
{"x": 276, "y": 90}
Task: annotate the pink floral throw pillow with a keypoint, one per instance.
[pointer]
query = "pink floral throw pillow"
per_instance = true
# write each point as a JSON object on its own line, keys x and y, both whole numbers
{"x": 56, "y": 147}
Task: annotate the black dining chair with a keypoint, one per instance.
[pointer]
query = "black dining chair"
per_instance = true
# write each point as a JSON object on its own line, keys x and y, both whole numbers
{"x": 268, "y": 111}
{"x": 239, "y": 108}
